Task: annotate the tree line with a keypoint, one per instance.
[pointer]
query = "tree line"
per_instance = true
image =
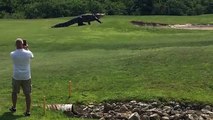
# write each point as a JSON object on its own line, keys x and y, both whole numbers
{"x": 61, "y": 8}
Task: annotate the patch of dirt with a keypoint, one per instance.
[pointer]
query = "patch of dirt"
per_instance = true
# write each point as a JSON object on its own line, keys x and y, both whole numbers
{"x": 176, "y": 26}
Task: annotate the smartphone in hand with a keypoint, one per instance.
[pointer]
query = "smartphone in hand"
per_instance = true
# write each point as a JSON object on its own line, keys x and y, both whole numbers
{"x": 24, "y": 42}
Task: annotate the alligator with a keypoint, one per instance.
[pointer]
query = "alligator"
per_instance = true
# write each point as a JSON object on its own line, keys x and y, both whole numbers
{"x": 80, "y": 20}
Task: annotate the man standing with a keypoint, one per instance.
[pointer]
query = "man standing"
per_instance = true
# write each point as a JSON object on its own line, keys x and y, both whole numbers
{"x": 21, "y": 74}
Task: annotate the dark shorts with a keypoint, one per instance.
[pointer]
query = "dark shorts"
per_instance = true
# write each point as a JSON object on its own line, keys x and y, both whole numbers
{"x": 24, "y": 84}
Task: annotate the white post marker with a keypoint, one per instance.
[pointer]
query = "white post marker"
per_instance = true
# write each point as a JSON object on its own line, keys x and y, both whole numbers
{"x": 44, "y": 105}
{"x": 70, "y": 88}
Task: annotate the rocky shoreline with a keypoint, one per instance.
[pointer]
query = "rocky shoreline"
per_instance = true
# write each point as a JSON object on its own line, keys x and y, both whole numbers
{"x": 135, "y": 110}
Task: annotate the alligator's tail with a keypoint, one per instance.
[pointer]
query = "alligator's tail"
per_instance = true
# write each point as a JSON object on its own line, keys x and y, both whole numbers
{"x": 65, "y": 24}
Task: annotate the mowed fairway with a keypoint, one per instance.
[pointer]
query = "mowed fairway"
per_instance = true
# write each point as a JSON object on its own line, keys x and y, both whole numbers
{"x": 111, "y": 61}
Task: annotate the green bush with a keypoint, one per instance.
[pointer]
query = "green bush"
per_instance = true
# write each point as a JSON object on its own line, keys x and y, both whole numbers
{"x": 60, "y": 8}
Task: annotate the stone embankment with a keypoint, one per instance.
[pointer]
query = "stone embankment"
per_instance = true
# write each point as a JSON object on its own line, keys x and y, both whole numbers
{"x": 134, "y": 110}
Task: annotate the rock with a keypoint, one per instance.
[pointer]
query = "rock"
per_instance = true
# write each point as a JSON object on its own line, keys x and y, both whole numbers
{"x": 136, "y": 110}
{"x": 123, "y": 109}
{"x": 143, "y": 104}
{"x": 175, "y": 117}
{"x": 172, "y": 103}
{"x": 154, "y": 117}
{"x": 134, "y": 116}
{"x": 195, "y": 116}
{"x": 91, "y": 105}
{"x": 205, "y": 111}
{"x": 205, "y": 116}
{"x": 111, "y": 112}
{"x": 190, "y": 117}
{"x": 177, "y": 107}
{"x": 114, "y": 105}
{"x": 85, "y": 108}
{"x": 95, "y": 115}
{"x": 108, "y": 117}
{"x": 167, "y": 109}
{"x": 208, "y": 107}
{"x": 154, "y": 104}
{"x": 146, "y": 108}
{"x": 107, "y": 107}
{"x": 172, "y": 117}
{"x": 190, "y": 112}
{"x": 152, "y": 110}
{"x": 102, "y": 118}
{"x": 145, "y": 117}
{"x": 159, "y": 112}
{"x": 121, "y": 116}
{"x": 133, "y": 102}
{"x": 165, "y": 118}
{"x": 200, "y": 118}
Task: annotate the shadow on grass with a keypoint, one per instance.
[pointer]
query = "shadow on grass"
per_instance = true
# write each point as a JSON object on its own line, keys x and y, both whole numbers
{"x": 10, "y": 116}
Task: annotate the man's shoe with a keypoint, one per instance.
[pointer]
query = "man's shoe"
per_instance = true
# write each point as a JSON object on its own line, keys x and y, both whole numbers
{"x": 12, "y": 109}
{"x": 27, "y": 114}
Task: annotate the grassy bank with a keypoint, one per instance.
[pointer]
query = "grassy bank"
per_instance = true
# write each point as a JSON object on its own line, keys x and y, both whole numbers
{"x": 111, "y": 61}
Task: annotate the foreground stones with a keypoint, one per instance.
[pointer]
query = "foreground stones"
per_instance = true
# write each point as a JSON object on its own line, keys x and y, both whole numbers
{"x": 134, "y": 110}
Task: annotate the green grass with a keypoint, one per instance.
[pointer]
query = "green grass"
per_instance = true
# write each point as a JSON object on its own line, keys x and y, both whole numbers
{"x": 110, "y": 61}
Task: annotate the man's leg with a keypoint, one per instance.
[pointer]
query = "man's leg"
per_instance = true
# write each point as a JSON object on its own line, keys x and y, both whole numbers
{"x": 26, "y": 86}
{"x": 15, "y": 91}
{"x": 14, "y": 99}
{"x": 28, "y": 102}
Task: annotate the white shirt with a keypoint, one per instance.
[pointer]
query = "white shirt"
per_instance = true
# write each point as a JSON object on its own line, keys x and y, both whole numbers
{"x": 21, "y": 64}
